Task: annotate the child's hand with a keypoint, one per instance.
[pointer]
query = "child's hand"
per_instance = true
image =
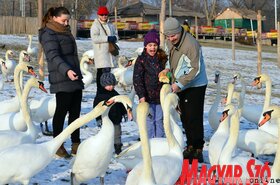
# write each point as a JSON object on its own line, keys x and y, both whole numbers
{"x": 142, "y": 99}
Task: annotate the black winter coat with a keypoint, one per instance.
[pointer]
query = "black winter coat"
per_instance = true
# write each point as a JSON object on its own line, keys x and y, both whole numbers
{"x": 61, "y": 54}
{"x": 117, "y": 111}
{"x": 145, "y": 76}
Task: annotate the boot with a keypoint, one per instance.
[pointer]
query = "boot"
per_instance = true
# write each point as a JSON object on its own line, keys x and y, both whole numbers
{"x": 198, "y": 155}
{"x": 74, "y": 148}
{"x": 61, "y": 152}
{"x": 188, "y": 153}
{"x": 118, "y": 148}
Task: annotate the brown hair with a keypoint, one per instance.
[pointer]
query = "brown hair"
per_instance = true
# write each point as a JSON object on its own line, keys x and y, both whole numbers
{"x": 54, "y": 11}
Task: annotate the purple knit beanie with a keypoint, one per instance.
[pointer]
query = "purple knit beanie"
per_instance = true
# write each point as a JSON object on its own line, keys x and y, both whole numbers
{"x": 151, "y": 36}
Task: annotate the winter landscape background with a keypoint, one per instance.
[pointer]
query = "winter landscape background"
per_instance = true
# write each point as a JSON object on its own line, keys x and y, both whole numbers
{"x": 58, "y": 171}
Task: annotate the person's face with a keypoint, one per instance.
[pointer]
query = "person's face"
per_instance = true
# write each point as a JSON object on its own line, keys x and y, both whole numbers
{"x": 103, "y": 17}
{"x": 174, "y": 38}
{"x": 151, "y": 48}
{"x": 63, "y": 19}
{"x": 109, "y": 87}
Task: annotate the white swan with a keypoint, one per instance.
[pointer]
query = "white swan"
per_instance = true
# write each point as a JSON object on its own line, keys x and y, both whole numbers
{"x": 2, "y": 63}
{"x": 87, "y": 76}
{"x": 26, "y": 160}
{"x": 220, "y": 137}
{"x": 273, "y": 113}
{"x": 159, "y": 146}
{"x": 124, "y": 75}
{"x": 13, "y": 105}
{"x": 249, "y": 111}
{"x": 213, "y": 117}
{"x": 171, "y": 162}
{"x": 12, "y": 137}
{"x": 23, "y": 57}
{"x": 10, "y": 65}
{"x": 147, "y": 175}
{"x": 93, "y": 155}
{"x": 31, "y": 50}
{"x": 255, "y": 141}
{"x": 226, "y": 155}
{"x": 270, "y": 128}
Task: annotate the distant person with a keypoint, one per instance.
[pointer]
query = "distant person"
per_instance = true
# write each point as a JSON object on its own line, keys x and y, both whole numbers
{"x": 146, "y": 82}
{"x": 189, "y": 81}
{"x": 102, "y": 32}
{"x": 117, "y": 111}
{"x": 65, "y": 76}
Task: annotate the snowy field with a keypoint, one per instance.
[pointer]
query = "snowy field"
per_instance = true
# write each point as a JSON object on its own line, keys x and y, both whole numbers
{"x": 58, "y": 171}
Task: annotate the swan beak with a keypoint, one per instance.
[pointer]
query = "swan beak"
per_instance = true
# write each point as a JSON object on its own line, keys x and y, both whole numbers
{"x": 129, "y": 114}
{"x": 129, "y": 63}
{"x": 4, "y": 65}
{"x": 234, "y": 80}
{"x": 31, "y": 71}
{"x": 256, "y": 81}
{"x": 42, "y": 87}
{"x": 90, "y": 61}
{"x": 217, "y": 76}
{"x": 224, "y": 115}
{"x": 110, "y": 102}
{"x": 266, "y": 118}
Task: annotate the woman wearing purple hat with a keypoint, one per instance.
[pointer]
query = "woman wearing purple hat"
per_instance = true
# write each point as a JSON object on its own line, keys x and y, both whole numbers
{"x": 146, "y": 83}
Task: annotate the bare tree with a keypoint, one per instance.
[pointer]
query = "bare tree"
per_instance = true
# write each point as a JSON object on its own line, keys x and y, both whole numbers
{"x": 209, "y": 10}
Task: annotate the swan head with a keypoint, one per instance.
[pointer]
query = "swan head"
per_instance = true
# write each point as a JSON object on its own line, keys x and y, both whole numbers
{"x": 31, "y": 71}
{"x": 24, "y": 56}
{"x": 272, "y": 112}
{"x": 37, "y": 83}
{"x": 228, "y": 111}
{"x": 260, "y": 79}
{"x": 217, "y": 76}
{"x": 125, "y": 100}
{"x": 9, "y": 52}
{"x": 236, "y": 76}
{"x": 3, "y": 63}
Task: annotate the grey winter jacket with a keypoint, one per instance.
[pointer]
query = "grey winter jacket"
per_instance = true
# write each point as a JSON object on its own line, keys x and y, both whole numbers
{"x": 61, "y": 54}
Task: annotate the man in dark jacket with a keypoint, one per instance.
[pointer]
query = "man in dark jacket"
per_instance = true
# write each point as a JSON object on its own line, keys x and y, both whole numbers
{"x": 65, "y": 76}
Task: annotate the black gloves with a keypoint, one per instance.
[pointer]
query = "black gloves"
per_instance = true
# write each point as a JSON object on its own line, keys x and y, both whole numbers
{"x": 112, "y": 39}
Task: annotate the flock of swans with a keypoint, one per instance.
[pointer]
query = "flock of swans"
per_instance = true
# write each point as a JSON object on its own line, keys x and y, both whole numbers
{"x": 149, "y": 160}
{"x": 227, "y": 136}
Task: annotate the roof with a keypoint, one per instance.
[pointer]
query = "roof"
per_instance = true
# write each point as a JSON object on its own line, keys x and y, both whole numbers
{"x": 140, "y": 9}
{"x": 233, "y": 13}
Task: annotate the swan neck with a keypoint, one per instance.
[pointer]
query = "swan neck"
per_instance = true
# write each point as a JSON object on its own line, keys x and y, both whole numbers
{"x": 83, "y": 60}
{"x": 230, "y": 93}
{"x": 232, "y": 139}
{"x": 7, "y": 55}
{"x": 59, "y": 139}
{"x": 166, "y": 124}
{"x": 17, "y": 80}
{"x": 24, "y": 106}
{"x": 146, "y": 153}
{"x": 267, "y": 94}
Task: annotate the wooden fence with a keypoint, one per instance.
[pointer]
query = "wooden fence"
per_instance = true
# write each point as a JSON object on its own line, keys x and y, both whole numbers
{"x": 25, "y": 25}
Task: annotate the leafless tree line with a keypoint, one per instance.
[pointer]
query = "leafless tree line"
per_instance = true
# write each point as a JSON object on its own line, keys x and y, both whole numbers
{"x": 84, "y": 9}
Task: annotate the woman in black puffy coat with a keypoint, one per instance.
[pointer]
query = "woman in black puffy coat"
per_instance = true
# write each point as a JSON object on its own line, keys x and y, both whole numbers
{"x": 65, "y": 76}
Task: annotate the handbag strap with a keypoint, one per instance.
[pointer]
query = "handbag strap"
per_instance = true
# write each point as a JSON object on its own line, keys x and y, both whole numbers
{"x": 103, "y": 28}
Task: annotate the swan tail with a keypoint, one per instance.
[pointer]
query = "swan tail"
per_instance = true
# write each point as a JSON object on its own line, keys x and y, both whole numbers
{"x": 131, "y": 150}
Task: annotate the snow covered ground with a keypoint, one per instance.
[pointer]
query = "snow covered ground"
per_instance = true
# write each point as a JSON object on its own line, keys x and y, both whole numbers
{"x": 58, "y": 171}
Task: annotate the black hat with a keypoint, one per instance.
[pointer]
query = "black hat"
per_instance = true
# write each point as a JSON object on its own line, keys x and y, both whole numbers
{"x": 107, "y": 79}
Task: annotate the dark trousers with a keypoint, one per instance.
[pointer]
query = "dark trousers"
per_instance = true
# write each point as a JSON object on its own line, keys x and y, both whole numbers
{"x": 67, "y": 102}
{"x": 192, "y": 105}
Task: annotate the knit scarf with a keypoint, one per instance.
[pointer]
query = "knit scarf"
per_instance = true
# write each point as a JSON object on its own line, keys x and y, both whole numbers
{"x": 58, "y": 27}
